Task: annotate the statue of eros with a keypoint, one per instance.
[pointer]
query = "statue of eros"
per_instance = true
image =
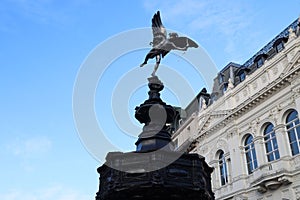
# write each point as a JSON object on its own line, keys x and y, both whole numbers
{"x": 162, "y": 45}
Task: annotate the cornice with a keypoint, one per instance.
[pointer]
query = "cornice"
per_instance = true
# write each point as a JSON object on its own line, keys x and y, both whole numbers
{"x": 282, "y": 81}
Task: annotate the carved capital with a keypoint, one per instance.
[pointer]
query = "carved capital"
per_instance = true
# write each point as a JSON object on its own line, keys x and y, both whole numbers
{"x": 279, "y": 128}
{"x": 296, "y": 92}
{"x": 274, "y": 113}
{"x": 242, "y": 149}
{"x": 258, "y": 139}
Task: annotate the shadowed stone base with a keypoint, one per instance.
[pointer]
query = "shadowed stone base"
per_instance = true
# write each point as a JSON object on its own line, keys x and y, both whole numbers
{"x": 188, "y": 177}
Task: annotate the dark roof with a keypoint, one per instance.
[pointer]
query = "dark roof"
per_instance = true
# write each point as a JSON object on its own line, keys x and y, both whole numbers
{"x": 263, "y": 55}
{"x": 269, "y": 46}
{"x": 229, "y": 65}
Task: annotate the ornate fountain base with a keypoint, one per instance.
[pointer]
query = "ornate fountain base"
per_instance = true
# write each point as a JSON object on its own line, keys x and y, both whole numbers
{"x": 188, "y": 177}
{"x": 155, "y": 171}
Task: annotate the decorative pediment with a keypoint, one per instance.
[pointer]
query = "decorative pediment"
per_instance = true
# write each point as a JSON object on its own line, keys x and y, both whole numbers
{"x": 218, "y": 117}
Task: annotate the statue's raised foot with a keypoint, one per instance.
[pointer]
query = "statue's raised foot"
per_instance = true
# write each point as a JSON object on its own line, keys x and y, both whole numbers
{"x": 142, "y": 65}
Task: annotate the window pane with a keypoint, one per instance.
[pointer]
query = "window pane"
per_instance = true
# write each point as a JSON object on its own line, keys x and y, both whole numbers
{"x": 254, "y": 158}
{"x": 225, "y": 88}
{"x": 250, "y": 168}
{"x": 273, "y": 134}
{"x": 298, "y": 131}
{"x": 246, "y": 148}
{"x": 242, "y": 76}
{"x": 260, "y": 62}
{"x": 222, "y": 168}
{"x": 248, "y": 140}
{"x": 255, "y": 164}
{"x": 267, "y": 137}
{"x": 248, "y": 157}
{"x": 293, "y": 132}
{"x": 292, "y": 135}
{"x": 250, "y": 154}
{"x": 288, "y": 126}
{"x": 271, "y": 143}
{"x": 279, "y": 47}
{"x": 269, "y": 128}
{"x": 268, "y": 146}
{"x": 277, "y": 156}
{"x": 275, "y": 145}
{"x": 294, "y": 147}
{"x": 292, "y": 116}
{"x": 270, "y": 157}
{"x": 226, "y": 173}
{"x": 222, "y": 181}
{"x": 221, "y": 78}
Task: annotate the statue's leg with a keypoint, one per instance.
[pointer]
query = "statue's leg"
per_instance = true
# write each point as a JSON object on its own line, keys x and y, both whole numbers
{"x": 158, "y": 57}
{"x": 145, "y": 62}
{"x": 151, "y": 54}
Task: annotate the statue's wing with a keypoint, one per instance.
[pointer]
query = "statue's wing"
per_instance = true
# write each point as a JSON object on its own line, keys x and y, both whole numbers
{"x": 182, "y": 42}
{"x": 158, "y": 28}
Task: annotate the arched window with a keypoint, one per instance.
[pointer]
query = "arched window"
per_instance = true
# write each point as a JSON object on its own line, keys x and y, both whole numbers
{"x": 250, "y": 153}
{"x": 271, "y": 143}
{"x": 223, "y": 168}
{"x": 279, "y": 44}
{"x": 293, "y": 130}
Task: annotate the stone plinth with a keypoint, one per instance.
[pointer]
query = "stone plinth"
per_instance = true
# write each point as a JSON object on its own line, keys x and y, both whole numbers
{"x": 188, "y": 177}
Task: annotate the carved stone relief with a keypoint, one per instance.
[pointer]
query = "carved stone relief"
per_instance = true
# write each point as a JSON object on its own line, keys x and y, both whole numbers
{"x": 264, "y": 78}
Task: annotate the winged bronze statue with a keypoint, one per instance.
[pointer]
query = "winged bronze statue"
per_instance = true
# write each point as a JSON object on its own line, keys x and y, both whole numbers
{"x": 162, "y": 45}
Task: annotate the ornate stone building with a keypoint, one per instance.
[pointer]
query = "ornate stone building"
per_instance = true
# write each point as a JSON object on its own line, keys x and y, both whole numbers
{"x": 248, "y": 128}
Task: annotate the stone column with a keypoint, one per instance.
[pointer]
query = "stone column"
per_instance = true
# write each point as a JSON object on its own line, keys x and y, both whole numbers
{"x": 295, "y": 86}
{"x": 260, "y": 150}
{"x": 282, "y": 141}
{"x": 215, "y": 175}
{"x": 229, "y": 169}
{"x": 238, "y": 162}
{"x": 237, "y": 157}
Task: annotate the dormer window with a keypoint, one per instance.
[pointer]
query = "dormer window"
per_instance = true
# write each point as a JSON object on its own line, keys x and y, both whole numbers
{"x": 260, "y": 59}
{"x": 225, "y": 86}
{"x": 242, "y": 76}
{"x": 260, "y": 62}
{"x": 279, "y": 47}
{"x": 221, "y": 78}
{"x": 279, "y": 44}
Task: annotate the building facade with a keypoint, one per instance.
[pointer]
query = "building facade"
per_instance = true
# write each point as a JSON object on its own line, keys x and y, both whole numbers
{"x": 248, "y": 128}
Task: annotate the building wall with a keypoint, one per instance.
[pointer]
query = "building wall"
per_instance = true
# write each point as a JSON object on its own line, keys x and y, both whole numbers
{"x": 267, "y": 95}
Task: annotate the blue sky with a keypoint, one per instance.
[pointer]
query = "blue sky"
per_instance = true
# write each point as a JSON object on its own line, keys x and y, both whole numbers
{"x": 43, "y": 45}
